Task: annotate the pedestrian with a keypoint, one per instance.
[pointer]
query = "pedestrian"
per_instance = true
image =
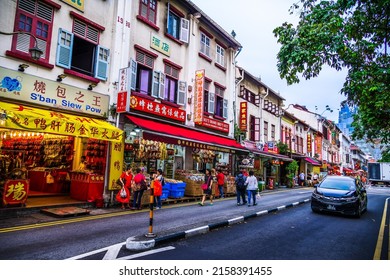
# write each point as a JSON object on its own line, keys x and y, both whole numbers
{"x": 252, "y": 187}
{"x": 315, "y": 179}
{"x": 302, "y": 178}
{"x": 209, "y": 191}
{"x": 220, "y": 182}
{"x": 125, "y": 179}
{"x": 158, "y": 192}
{"x": 138, "y": 189}
{"x": 240, "y": 188}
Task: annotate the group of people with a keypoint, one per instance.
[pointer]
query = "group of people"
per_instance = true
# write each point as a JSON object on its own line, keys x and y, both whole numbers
{"x": 137, "y": 184}
{"x": 246, "y": 186}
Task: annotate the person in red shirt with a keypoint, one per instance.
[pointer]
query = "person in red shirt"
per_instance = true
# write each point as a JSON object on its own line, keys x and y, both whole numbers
{"x": 125, "y": 178}
{"x": 220, "y": 182}
{"x": 139, "y": 191}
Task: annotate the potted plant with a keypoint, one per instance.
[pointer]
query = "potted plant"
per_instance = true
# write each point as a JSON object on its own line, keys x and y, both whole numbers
{"x": 292, "y": 169}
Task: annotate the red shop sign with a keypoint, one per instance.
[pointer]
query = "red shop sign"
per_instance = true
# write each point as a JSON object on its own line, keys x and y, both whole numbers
{"x": 15, "y": 191}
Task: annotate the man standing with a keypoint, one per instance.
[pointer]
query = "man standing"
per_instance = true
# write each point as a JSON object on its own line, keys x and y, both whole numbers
{"x": 241, "y": 188}
{"x": 302, "y": 178}
{"x": 220, "y": 182}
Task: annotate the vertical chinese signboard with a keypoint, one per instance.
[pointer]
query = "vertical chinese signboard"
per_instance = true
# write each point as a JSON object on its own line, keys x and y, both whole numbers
{"x": 199, "y": 86}
{"x": 15, "y": 192}
{"x": 123, "y": 94}
{"x": 243, "y": 116}
{"x": 309, "y": 148}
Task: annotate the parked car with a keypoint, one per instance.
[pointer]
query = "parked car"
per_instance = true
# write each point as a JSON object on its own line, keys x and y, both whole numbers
{"x": 340, "y": 194}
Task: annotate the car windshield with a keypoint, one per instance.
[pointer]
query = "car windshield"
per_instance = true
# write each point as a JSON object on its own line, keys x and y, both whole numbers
{"x": 337, "y": 184}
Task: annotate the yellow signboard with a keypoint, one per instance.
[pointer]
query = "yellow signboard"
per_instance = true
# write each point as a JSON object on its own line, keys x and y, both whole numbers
{"x": 37, "y": 120}
{"x": 116, "y": 164}
{"x": 78, "y": 4}
{"x": 160, "y": 45}
{"x": 43, "y": 92}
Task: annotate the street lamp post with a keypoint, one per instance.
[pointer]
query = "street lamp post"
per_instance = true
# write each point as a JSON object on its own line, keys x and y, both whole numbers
{"x": 35, "y": 52}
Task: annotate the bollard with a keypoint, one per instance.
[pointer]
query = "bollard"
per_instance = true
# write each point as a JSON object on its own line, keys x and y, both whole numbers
{"x": 151, "y": 202}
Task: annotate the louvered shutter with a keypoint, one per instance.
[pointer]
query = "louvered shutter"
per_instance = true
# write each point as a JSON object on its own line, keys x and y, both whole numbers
{"x": 211, "y": 103}
{"x": 181, "y": 93}
{"x": 225, "y": 109}
{"x": 184, "y": 30}
{"x": 161, "y": 91}
{"x": 133, "y": 75}
{"x": 64, "y": 49}
{"x": 156, "y": 84}
{"x": 257, "y": 129}
{"x": 101, "y": 63}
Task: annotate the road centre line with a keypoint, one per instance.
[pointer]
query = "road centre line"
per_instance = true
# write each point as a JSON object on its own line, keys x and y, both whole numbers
{"x": 379, "y": 243}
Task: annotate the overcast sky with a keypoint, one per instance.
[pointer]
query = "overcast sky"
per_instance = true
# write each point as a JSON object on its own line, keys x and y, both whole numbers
{"x": 253, "y": 22}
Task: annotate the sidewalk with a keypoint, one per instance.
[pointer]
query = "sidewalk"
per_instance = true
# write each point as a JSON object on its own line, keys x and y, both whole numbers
{"x": 33, "y": 215}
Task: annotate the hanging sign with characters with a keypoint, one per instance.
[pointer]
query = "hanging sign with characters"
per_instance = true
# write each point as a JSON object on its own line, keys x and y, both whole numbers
{"x": 15, "y": 192}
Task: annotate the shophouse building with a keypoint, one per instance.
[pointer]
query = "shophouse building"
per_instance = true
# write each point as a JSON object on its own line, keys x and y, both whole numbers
{"x": 259, "y": 127}
{"x": 54, "y": 106}
{"x": 175, "y": 88}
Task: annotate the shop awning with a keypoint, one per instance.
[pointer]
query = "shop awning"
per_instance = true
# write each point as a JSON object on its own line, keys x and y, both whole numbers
{"x": 312, "y": 161}
{"x": 47, "y": 121}
{"x": 253, "y": 149}
{"x": 184, "y": 136}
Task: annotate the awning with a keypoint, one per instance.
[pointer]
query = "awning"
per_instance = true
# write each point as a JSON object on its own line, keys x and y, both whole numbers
{"x": 184, "y": 136}
{"x": 47, "y": 121}
{"x": 312, "y": 161}
{"x": 253, "y": 149}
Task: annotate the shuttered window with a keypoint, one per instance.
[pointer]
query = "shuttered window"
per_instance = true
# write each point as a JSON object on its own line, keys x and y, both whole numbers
{"x": 34, "y": 17}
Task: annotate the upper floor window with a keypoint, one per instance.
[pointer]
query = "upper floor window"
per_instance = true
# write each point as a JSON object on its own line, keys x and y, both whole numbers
{"x": 177, "y": 26}
{"x": 142, "y": 74}
{"x": 265, "y": 131}
{"x": 254, "y": 128}
{"x": 148, "y": 10}
{"x": 214, "y": 102}
{"x": 36, "y": 18}
{"x": 220, "y": 55}
{"x": 174, "y": 89}
{"x": 249, "y": 95}
{"x": 80, "y": 50}
{"x": 204, "y": 44}
{"x": 273, "y": 129}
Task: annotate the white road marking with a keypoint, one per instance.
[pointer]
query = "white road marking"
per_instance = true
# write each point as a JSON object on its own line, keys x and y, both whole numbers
{"x": 95, "y": 252}
{"x": 150, "y": 252}
{"x": 112, "y": 252}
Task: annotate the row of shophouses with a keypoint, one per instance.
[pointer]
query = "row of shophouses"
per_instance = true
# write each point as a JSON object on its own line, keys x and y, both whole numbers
{"x": 156, "y": 84}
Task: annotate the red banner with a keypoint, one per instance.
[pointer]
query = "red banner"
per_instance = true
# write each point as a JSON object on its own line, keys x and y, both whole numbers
{"x": 122, "y": 103}
{"x": 199, "y": 86}
{"x": 15, "y": 192}
{"x": 155, "y": 108}
{"x": 244, "y": 116}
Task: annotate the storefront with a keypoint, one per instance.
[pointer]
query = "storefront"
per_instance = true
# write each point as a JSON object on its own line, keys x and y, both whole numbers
{"x": 42, "y": 145}
{"x": 182, "y": 153}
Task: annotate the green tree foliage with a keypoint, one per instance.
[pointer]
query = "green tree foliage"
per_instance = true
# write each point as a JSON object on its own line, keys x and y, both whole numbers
{"x": 344, "y": 34}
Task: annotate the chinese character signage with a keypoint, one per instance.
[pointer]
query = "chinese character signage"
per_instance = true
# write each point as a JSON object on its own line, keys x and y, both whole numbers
{"x": 309, "y": 143}
{"x": 159, "y": 45}
{"x": 198, "y": 106}
{"x": 39, "y": 91}
{"x": 123, "y": 100}
{"x": 155, "y": 108}
{"x": 116, "y": 164}
{"x": 38, "y": 120}
{"x": 215, "y": 124}
{"x": 78, "y": 4}
{"x": 244, "y": 116}
{"x": 15, "y": 192}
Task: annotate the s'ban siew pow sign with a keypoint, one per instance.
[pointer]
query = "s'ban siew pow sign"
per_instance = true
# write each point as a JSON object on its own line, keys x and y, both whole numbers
{"x": 199, "y": 86}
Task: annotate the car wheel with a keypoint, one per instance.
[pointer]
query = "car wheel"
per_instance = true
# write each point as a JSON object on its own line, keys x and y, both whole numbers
{"x": 315, "y": 210}
{"x": 359, "y": 212}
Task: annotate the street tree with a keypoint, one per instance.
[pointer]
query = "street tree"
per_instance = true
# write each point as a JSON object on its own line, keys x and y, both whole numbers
{"x": 343, "y": 34}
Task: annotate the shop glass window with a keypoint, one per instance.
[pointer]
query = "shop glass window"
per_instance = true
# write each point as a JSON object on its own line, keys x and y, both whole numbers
{"x": 80, "y": 52}
{"x": 148, "y": 10}
{"x": 177, "y": 26}
{"x": 220, "y": 55}
{"x": 204, "y": 44}
{"x": 34, "y": 17}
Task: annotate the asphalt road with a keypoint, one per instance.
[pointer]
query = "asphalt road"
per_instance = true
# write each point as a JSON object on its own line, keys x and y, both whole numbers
{"x": 294, "y": 233}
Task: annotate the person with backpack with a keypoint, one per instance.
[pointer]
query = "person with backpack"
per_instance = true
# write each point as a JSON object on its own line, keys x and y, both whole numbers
{"x": 209, "y": 191}
{"x": 240, "y": 188}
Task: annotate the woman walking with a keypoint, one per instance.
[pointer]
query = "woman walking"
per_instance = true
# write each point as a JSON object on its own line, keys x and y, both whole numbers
{"x": 252, "y": 188}
{"x": 139, "y": 183}
{"x": 125, "y": 179}
{"x": 158, "y": 191}
{"x": 209, "y": 191}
